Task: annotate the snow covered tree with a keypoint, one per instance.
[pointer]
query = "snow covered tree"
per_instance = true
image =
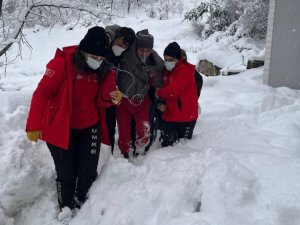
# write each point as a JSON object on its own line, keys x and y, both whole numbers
{"x": 162, "y": 9}
{"x": 15, "y": 14}
{"x": 233, "y": 7}
{"x": 124, "y": 6}
{"x": 209, "y": 18}
{"x": 240, "y": 18}
{"x": 254, "y": 20}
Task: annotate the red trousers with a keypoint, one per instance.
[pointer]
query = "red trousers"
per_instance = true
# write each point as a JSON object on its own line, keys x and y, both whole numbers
{"x": 140, "y": 113}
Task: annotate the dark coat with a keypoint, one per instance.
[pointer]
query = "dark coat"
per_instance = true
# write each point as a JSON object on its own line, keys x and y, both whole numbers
{"x": 134, "y": 77}
{"x": 111, "y": 58}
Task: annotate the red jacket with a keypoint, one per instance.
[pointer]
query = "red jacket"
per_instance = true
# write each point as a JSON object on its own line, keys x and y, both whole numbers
{"x": 51, "y": 105}
{"x": 180, "y": 94}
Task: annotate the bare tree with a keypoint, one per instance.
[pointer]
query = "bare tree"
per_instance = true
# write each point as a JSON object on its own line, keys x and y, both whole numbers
{"x": 15, "y": 14}
{"x": 138, "y": 2}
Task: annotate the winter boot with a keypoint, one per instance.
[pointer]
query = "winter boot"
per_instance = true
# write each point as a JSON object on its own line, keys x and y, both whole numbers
{"x": 65, "y": 215}
{"x": 130, "y": 155}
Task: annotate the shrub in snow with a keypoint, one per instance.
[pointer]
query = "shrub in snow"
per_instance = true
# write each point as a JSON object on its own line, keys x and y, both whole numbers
{"x": 151, "y": 11}
{"x": 209, "y": 18}
{"x": 233, "y": 7}
{"x": 239, "y": 18}
{"x": 254, "y": 20}
{"x": 164, "y": 8}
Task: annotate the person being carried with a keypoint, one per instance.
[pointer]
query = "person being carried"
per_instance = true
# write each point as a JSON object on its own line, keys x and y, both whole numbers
{"x": 140, "y": 68}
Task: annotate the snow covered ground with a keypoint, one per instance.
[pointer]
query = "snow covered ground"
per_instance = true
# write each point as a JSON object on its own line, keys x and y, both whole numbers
{"x": 242, "y": 166}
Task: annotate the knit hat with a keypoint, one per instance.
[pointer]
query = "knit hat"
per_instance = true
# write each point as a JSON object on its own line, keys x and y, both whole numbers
{"x": 144, "y": 39}
{"x": 173, "y": 50}
{"x": 95, "y": 42}
{"x": 127, "y": 34}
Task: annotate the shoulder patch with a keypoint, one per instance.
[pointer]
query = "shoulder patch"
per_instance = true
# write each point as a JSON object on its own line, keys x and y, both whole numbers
{"x": 79, "y": 76}
{"x": 49, "y": 72}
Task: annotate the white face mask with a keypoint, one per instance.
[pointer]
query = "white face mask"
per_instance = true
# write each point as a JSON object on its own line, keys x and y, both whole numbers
{"x": 170, "y": 65}
{"x": 143, "y": 59}
{"x": 93, "y": 63}
{"x": 143, "y": 54}
{"x": 117, "y": 50}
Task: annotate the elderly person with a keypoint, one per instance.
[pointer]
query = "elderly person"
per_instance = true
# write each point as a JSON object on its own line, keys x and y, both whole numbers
{"x": 140, "y": 68}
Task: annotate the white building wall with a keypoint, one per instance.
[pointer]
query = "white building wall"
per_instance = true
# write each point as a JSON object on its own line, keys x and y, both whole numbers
{"x": 282, "y": 60}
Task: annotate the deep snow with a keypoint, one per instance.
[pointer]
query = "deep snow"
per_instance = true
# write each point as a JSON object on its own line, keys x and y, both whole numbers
{"x": 242, "y": 163}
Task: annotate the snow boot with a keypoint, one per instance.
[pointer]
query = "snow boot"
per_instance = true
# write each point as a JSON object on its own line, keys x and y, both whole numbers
{"x": 65, "y": 215}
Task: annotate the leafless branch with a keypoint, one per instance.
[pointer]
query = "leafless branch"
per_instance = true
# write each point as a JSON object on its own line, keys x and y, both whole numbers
{"x": 36, "y": 8}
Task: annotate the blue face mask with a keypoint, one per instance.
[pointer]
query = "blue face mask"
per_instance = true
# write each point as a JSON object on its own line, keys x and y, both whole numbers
{"x": 170, "y": 65}
{"x": 93, "y": 63}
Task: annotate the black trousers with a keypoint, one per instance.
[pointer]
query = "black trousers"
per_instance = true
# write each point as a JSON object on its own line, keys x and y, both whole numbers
{"x": 173, "y": 131}
{"x": 76, "y": 167}
{"x": 111, "y": 118}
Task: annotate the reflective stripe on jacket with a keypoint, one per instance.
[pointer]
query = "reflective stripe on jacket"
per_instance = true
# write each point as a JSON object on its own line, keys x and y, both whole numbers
{"x": 51, "y": 104}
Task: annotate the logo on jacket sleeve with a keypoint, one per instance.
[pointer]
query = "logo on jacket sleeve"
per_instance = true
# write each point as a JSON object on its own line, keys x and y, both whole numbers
{"x": 79, "y": 76}
{"x": 49, "y": 72}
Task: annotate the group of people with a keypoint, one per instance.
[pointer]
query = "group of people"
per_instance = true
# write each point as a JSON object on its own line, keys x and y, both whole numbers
{"x": 113, "y": 77}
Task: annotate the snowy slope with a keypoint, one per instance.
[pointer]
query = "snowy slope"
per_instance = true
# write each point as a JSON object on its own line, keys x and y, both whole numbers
{"x": 243, "y": 163}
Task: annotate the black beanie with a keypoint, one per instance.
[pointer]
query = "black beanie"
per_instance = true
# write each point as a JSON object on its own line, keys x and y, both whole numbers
{"x": 173, "y": 50}
{"x": 144, "y": 39}
{"x": 127, "y": 34}
{"x": 95, "y": 42}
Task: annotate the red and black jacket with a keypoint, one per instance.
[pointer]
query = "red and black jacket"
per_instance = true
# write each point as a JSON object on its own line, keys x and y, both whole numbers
{"x": 52, "y": 101}
{"x": 180, "y": 93}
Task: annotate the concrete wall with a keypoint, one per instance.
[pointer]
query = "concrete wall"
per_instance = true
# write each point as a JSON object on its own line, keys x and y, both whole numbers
{"x": 282, "y": 61}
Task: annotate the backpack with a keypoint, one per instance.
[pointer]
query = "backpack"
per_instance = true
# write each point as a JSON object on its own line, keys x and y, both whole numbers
{"x": 199, "y": 82}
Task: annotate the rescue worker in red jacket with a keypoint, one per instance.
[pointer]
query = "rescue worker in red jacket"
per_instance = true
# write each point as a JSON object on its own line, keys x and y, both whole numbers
{"x": 178, "y": 97}
{"x": 67, "y": 111}
{"x": 120, "y": 39}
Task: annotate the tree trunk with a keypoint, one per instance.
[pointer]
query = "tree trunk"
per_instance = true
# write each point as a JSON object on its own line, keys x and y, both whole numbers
{"x": 111, "y": 6}
{"x": 128, "y": 5}
{"x": 1, "y": 2}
